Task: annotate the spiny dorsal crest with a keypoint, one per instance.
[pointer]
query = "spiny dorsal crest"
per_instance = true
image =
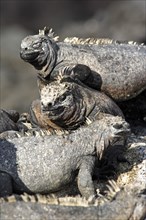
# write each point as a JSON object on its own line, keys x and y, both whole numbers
{"x": 49, "y": 32}
{"x": 97, "y": 41}
{"x": 51, "y": 199}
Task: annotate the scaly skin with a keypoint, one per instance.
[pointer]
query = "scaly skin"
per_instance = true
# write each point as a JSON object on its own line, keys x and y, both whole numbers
{"x": 118, "y": 204}
{"x": 67, "y": 105}
{"x": 119, "y": 70}
{"x": 47, "y": 164}
{"x": 124, "y": 204}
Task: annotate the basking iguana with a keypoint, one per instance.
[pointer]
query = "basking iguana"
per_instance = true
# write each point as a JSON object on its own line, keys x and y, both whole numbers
{"x": 47, "y": 164}
{"x": 124, "y": 204}
{"x": 117, "y": 69}
{"x": 68, "y": 105}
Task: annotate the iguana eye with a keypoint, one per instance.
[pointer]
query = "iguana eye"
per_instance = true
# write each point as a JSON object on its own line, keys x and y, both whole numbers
{"x": 62, "y": 98}
{"x": 36, "y": 45}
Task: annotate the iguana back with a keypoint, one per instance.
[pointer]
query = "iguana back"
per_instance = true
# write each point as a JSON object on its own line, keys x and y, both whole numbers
{"x": 117, "y": 69}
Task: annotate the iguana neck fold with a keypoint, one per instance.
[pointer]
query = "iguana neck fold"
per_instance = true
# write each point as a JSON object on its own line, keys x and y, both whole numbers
{"x": 50, "y": 61}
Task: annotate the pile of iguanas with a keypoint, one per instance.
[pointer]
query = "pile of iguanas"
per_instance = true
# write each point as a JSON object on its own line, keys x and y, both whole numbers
{"x": 79, "y": 81}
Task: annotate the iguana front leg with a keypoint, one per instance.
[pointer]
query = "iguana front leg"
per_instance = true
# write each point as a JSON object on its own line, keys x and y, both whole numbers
{"x": 79, "y": 73}
{"x": 85, "y": 182}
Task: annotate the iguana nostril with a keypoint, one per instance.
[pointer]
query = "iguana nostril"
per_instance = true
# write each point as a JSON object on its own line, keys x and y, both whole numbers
{"x": 49, "y": 104}
{"x": 46, "y": 106}
{"x": 118, "y": 126}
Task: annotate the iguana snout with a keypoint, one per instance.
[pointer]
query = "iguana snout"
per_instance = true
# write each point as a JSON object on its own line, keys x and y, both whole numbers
{"x": 122, "y": 128}
{"x": 119, "y": 125}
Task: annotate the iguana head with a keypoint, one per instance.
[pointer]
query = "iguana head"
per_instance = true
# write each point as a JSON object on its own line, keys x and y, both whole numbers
{"x": 40, "y": 51}
{"x": 63, "y": 104}
{"x": 112, "y": 132}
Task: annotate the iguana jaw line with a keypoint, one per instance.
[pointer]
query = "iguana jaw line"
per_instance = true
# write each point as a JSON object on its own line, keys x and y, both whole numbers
{"x": 69, "y": 117}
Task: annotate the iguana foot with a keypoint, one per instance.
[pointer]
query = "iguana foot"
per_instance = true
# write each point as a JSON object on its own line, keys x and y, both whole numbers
{"x": 8, "y": 120}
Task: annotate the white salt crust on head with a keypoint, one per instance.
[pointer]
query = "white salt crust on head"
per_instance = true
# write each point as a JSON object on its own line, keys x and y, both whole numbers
{"x": 50, "y": 93}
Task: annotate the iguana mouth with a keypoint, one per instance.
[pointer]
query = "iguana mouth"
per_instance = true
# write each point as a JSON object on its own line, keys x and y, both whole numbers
{"x": 29, "y": 56}
{"x": 54, "y": 111}
{"x": 123, "y": 130}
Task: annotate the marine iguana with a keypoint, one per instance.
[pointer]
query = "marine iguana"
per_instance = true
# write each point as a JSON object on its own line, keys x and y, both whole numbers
{"x": 47, "y": 164}
{"x": 68, "y": 105}
{"x": 121, "y": 204}
{"x": 117, "y": 69}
